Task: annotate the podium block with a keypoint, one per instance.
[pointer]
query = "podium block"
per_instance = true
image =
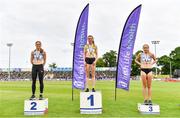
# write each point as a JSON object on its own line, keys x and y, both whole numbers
{"x": 90, "y": 103}
{"x": 36, "y": 107}
{"x": 148, "y": 109}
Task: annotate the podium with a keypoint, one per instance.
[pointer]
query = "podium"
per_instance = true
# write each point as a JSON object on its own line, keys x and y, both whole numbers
{"x": 148, "y": 109}
{"x": 90, "y": 103}
{"x": 36, "y": 107}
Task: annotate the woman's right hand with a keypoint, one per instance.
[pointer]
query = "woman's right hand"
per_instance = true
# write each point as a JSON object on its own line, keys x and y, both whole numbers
{"x": 94, "y": 64}
{"x": 139, "y": 64}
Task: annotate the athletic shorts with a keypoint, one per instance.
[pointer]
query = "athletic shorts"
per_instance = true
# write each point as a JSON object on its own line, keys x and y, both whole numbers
{"x": 146, "y": 70}
{"x": 89, "y": 60}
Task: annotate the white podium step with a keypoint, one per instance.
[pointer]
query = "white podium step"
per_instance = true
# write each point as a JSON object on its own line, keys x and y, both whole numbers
{"x": 36, "y": 107}
{"x": 148, "y": 109}
{"x": 90, "y": 103}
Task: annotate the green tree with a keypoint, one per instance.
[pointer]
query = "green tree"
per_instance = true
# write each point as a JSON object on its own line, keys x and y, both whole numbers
{"x": 135, "y": 67}
{"x": 100, "y": 63}
{"x": 53, "y": 66}
{"x": 164, "y": 62}
{"x": 110, "y": 58}
{"x": 154, "y": 70}
{"x": 174, "y": 58}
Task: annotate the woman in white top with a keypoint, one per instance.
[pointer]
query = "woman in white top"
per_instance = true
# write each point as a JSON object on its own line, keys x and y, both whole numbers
{"x": 38, "y": 60}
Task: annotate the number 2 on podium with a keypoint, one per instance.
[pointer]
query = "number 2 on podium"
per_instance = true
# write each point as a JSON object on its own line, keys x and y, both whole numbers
{"x": 91, "y": 98}
{"x": 33, "y": 107}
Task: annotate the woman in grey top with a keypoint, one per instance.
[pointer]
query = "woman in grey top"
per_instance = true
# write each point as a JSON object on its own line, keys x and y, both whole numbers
{"x": 145, "y": 60}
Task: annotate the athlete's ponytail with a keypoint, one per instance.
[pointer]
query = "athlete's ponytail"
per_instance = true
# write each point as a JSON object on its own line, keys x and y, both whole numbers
{"x": 41, "y": 50}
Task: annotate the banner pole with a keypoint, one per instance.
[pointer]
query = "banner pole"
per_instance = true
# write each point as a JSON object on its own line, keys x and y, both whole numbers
{"x": 115, "y": 93}
{"x": 72, "y": 92}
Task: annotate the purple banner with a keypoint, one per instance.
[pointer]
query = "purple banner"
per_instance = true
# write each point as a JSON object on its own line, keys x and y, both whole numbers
{"x": 126, "y": 49}
{"x": 79, "y": 76}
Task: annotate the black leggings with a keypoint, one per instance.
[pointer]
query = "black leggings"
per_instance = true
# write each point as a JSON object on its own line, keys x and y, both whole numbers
{"x": 37, "y": 70}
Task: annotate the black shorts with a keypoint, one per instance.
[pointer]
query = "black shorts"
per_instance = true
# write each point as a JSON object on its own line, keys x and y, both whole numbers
{"x": 89, "y": 60}
{"x": 146, "y": 70}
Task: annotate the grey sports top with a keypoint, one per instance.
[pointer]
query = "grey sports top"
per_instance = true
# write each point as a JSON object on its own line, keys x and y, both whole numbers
{"x": 38, "y": 57}
{"x": 145, "y": 58}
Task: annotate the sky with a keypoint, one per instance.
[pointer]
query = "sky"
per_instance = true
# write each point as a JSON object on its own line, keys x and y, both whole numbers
{"x": 53, "y": 22}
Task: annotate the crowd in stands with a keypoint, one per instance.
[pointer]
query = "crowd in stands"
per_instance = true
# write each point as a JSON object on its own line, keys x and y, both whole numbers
{"x": 15, "y": 75}
{"x": 100, "y": 75}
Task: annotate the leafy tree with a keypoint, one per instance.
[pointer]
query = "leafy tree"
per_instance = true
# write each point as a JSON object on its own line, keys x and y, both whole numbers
{"x": 53, "y": 66}
{"x": 164, "y": 61}
{"x": 154, "y": 70}
{"x": 110, "y": 58}
{"x": 100, "y": 63}
{"x": 134, "y": 67}
{"x": 174, "y": 58}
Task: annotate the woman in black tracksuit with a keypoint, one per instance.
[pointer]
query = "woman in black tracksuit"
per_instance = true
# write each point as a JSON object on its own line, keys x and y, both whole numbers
{"x": 38, "y": 60}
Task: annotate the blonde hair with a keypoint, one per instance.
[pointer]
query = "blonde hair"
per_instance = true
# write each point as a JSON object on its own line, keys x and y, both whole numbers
{"x": 92, "y": 39}
{"x": 145, "y": 45}
{"x": 151, "y": 54}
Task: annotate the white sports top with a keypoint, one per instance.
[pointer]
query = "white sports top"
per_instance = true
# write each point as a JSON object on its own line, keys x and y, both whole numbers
{"x": 38, "y": 57}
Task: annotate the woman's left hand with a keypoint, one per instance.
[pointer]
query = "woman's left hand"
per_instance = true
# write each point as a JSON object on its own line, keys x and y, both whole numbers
{"x": 153, "y": 63}
{"x": 94, "y": 63}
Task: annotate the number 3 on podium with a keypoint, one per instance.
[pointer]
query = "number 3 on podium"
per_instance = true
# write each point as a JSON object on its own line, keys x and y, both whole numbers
{"x": 33, "y": 107}
{"x": 91, "y": 98}
{"x": 150, "y": 108}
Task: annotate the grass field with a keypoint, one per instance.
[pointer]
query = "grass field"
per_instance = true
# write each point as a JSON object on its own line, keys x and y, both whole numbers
{"x": 13, "y": 94}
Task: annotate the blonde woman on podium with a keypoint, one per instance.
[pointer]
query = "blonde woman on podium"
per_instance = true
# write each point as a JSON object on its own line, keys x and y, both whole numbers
{"x": 91, "y": 56}
{"x": 146, "y": 60}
